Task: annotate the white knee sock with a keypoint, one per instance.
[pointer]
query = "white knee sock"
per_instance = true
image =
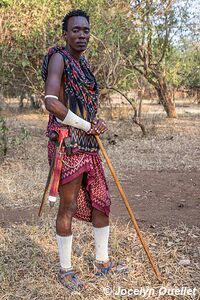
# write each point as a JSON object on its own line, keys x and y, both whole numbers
{"x": 65, "y": 251}
{"x": 101, "y": 236}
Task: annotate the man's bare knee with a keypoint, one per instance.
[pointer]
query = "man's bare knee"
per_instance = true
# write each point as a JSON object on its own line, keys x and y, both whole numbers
{"x": 68, "y": 206}
{"x": 66, "y": 211}
{"x": 99, "y": 219}
{"x": 63, "y": 223}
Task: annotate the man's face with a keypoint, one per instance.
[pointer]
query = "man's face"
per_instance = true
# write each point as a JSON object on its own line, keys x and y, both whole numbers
{"x": 78, "y": 33}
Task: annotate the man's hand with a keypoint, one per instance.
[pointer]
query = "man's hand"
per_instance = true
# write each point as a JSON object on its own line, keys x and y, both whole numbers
{"x": 98, "y": 127}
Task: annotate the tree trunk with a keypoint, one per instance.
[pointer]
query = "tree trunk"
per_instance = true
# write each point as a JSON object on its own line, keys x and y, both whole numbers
{"x": 166, "y": 99}
{"x": 198, "y": 96}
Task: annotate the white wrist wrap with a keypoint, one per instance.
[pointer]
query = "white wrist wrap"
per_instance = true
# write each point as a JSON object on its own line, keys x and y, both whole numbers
{"x": 72, "y": 119}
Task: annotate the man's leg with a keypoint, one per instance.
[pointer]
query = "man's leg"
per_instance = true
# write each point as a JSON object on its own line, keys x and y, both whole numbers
{"x": 101, "y": 235}
{"x": 67, "y": 208}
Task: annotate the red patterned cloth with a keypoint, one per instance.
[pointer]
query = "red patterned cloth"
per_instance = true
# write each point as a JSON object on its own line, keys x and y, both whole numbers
{"x": 95, "y": 192}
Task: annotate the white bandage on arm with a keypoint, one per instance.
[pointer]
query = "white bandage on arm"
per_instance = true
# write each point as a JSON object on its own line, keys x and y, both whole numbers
{"x": 72, "y": 119}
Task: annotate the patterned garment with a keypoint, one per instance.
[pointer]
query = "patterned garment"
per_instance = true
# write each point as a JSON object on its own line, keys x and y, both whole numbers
{"x": 81, "y": 97}
{"x": 94, "y": 193}
{"x": 79, "y": 139}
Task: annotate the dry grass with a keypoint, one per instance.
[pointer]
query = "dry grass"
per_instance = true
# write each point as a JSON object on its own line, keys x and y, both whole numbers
{"x": 169, "y": 145}
{"x": 29, "y": 262}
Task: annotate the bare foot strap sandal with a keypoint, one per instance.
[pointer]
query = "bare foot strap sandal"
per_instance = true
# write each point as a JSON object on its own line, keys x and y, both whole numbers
{"x": 112, "y": 268}
{"x": 70, "y": 280}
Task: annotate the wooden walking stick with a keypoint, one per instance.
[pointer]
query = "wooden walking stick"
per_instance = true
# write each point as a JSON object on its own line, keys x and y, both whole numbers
{"x": 146, "y": 249}
{"x": 45, "y": 194}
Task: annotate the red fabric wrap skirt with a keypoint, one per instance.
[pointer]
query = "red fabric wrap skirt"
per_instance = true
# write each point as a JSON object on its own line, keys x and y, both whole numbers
{"x": 94, "y": 193}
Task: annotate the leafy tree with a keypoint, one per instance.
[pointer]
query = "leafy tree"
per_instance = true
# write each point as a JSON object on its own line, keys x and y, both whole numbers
{"x": 155, "y": 26}
{"x": 190, "y": 67}
{"x": 28, "y": 29}
{"x": 128, "y": 40}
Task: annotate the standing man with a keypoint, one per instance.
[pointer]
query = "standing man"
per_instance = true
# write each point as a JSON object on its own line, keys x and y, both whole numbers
{"x": 71, "y": 97}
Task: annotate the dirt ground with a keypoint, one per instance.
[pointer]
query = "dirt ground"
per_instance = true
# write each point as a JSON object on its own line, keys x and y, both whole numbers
{"x": 160, "y": 198}
{"x": 160, "y": 175}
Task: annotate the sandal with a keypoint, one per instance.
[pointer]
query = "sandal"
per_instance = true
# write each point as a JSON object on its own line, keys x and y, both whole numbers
{"x": 70, "y": 280}
{"x": 112, "y": 268}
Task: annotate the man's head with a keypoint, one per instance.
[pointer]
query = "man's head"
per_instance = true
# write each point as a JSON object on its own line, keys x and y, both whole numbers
{"x": 76, "y": 30}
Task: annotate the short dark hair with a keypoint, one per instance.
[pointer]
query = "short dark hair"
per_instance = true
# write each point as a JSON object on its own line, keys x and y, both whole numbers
{"x": 74, "y": 13}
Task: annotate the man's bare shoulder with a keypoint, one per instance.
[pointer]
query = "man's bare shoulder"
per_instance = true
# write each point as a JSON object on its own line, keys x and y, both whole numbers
{"x": 56, "y": 63}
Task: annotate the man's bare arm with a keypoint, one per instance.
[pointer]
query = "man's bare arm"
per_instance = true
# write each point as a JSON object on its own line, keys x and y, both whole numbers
{"x": 52, "y": 86}
{"x": 56, "y": 107}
